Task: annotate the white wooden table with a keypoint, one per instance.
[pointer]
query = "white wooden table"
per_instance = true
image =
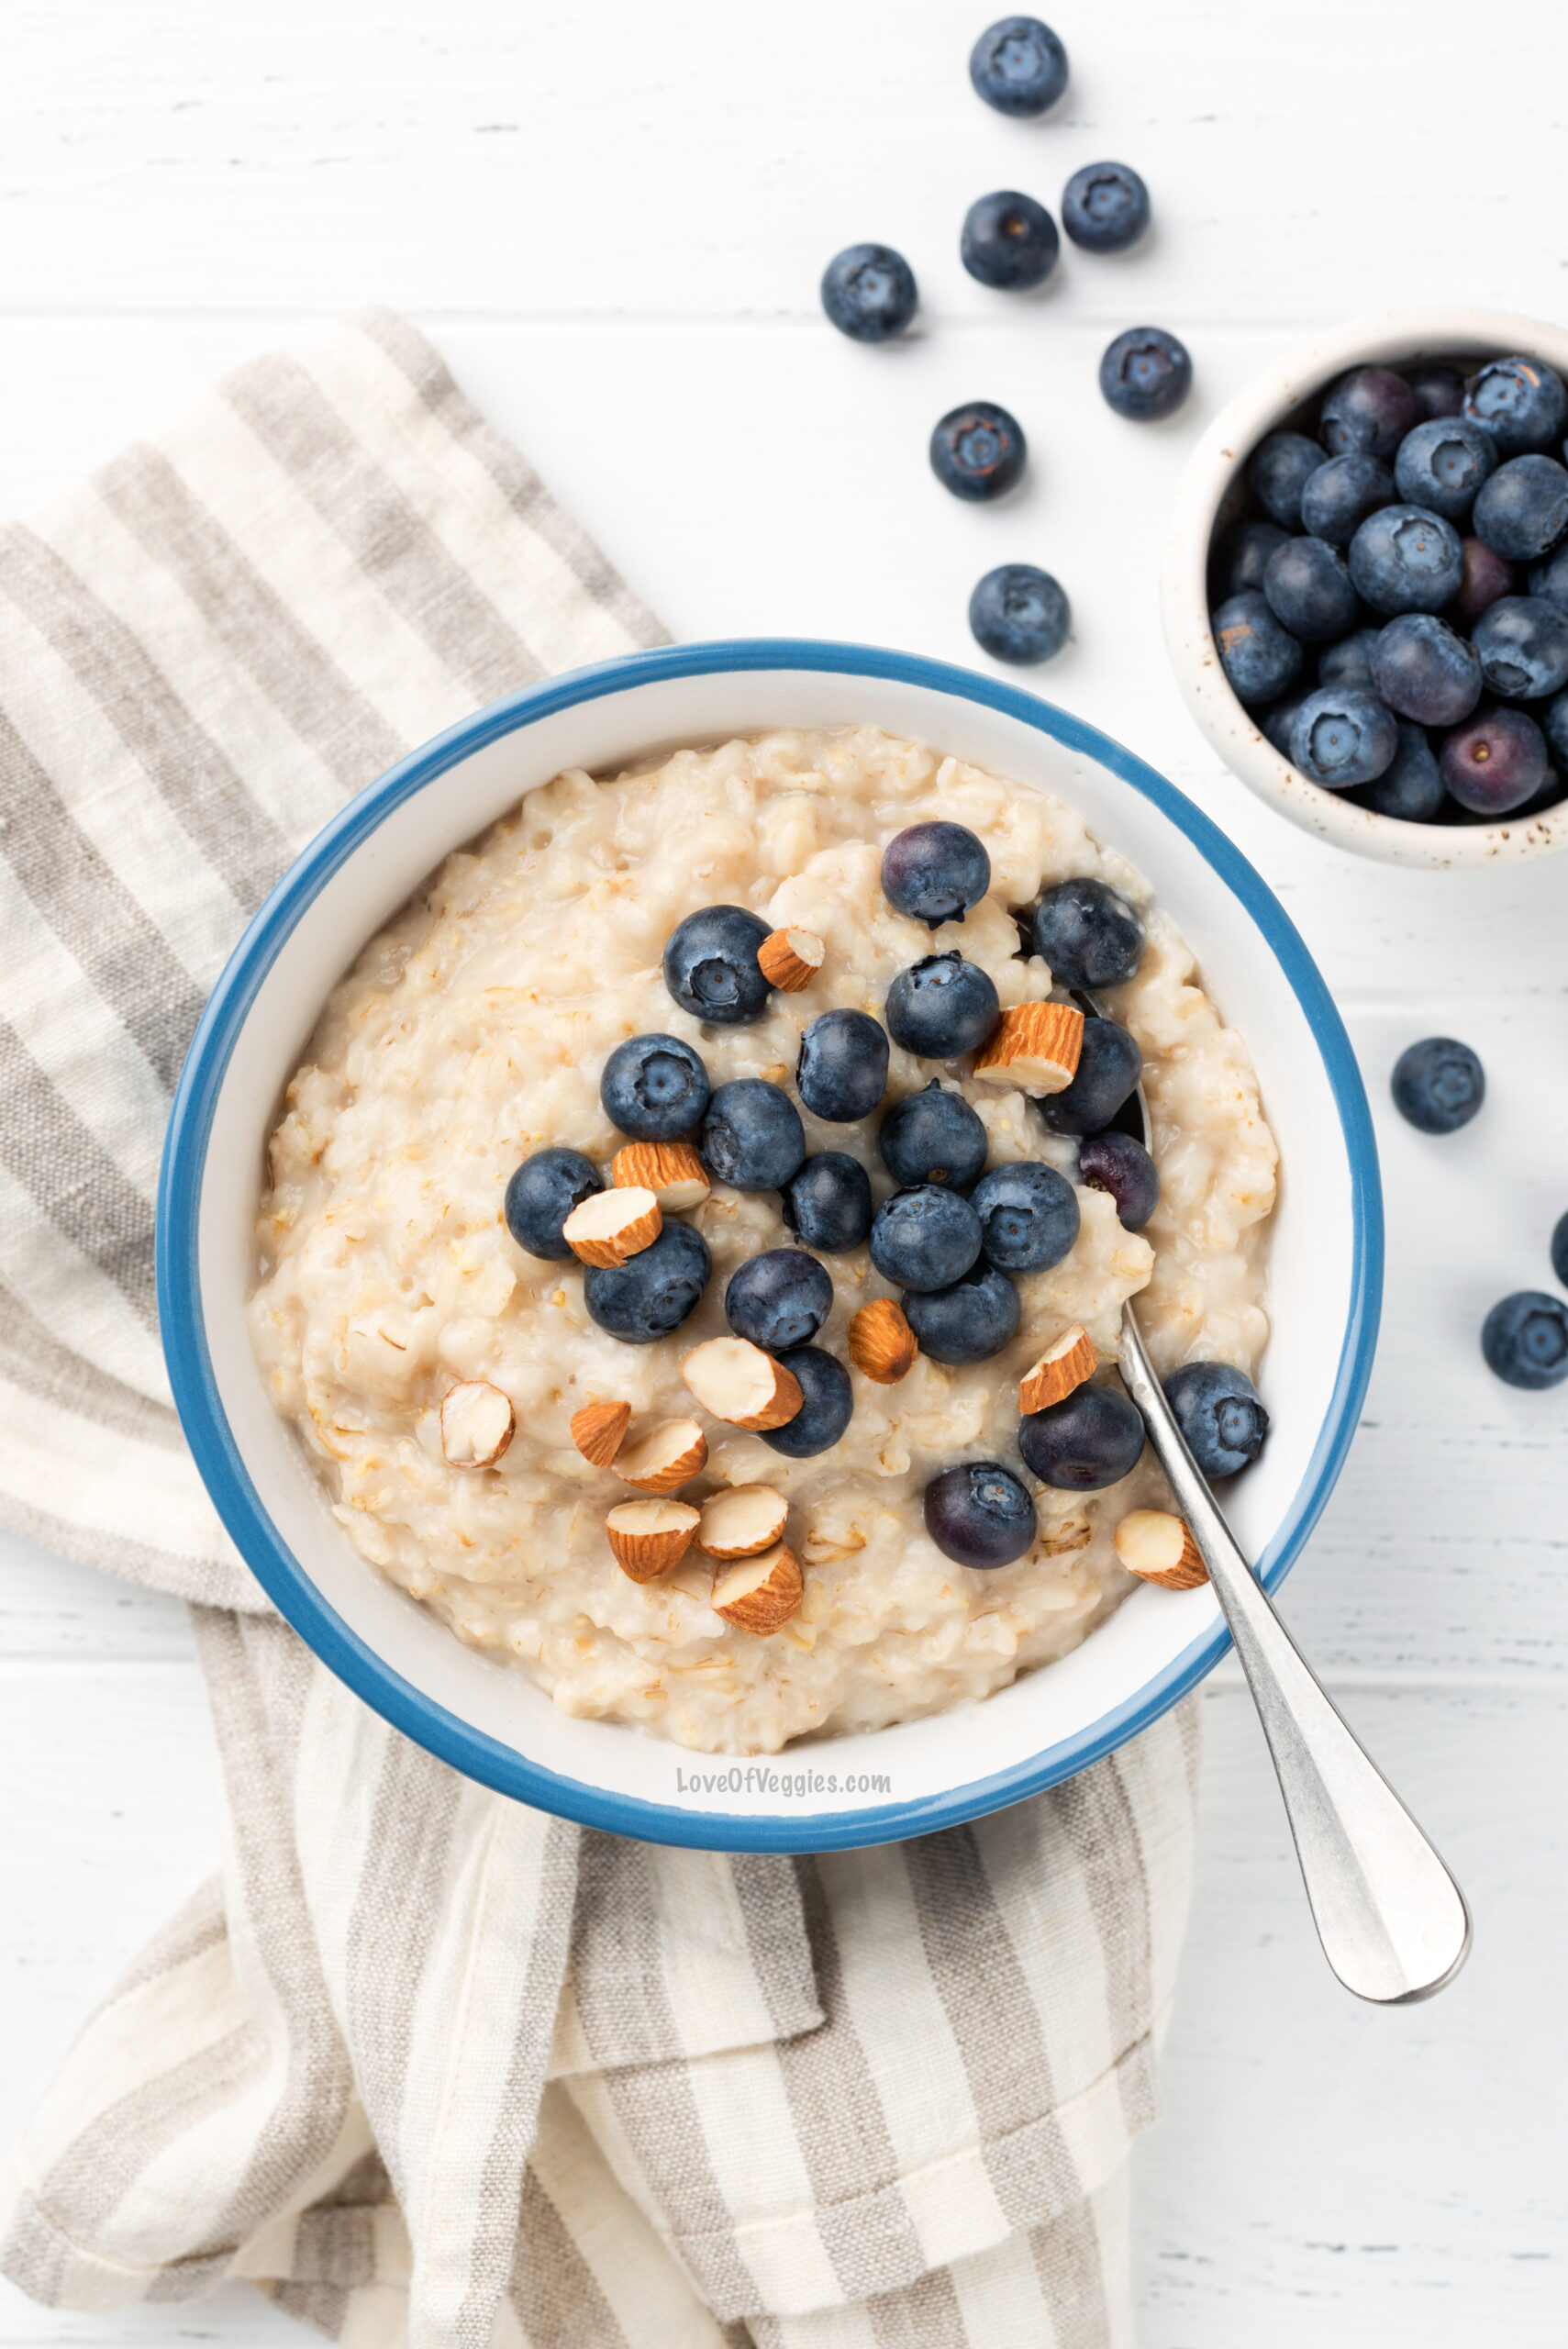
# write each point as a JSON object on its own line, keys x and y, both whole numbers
{"x": 612, "y": 220}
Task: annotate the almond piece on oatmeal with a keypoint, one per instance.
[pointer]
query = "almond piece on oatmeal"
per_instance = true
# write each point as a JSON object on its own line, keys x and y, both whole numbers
{"x": 649, "y": 1537}
{"x": 789, "y": 959}
{"x": 613, "y": 1225}
{"x": 1066, "y": 1363}
{"x": 741, "y": 1522}
{"x": 671, "y": 1456}
{"x": 1153, "y": 1545}
{"x": 477, "y": 1423}
{"x": 760, "y": 1594}
{"x": 1034, "y": 1046}
{"x": 736, "y": 1381}
{"x": 597, "y": 1430}
{"x": 882, "y": 1343}
{"x": 670, "y": 1170}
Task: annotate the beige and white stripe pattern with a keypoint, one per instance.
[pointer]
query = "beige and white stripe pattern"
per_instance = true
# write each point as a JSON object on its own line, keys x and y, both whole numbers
{"x": 426, "y": 2064}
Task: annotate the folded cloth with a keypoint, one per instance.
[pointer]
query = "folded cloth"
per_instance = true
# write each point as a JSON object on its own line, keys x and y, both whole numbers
{"x": 426, "y": 2064}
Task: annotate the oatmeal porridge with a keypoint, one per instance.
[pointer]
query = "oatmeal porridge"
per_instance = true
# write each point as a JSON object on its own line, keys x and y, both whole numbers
{"x": 526, "y": 1442}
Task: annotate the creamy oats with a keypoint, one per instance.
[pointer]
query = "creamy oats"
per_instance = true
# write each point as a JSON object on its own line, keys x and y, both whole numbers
{"x": 472, "y": 1032}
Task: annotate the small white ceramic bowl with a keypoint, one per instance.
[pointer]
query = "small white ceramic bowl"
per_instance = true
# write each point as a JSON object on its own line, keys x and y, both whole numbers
{"x": 490, "y": 1720}
{"x": 1209, "y": 498}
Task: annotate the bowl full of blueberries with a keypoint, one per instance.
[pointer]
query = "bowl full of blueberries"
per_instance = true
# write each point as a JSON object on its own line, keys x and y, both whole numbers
{"x": 1366, "y": 587}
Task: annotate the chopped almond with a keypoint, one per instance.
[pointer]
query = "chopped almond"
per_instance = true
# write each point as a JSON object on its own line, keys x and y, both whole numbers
{"x": 1034, "y": 1046}
{"x": 671, "y": 1456}
{"x": 882, "y": 1343}
{"x": 649, "y": 1537}
{"x": 477, "y": 1423}
{"x": 760, "y": 1594}
{"x": 739, "y": 1523}
{"x": 1152, "y": 1544}
{"x": 670, "y": 1170}
{"x": 613, "y": 1225}
{"x": 1066, "y": 1363}
{"x": 597, "y": 1430}
{"x": 736, "y": 1381}
{"x": 789, "y": 959}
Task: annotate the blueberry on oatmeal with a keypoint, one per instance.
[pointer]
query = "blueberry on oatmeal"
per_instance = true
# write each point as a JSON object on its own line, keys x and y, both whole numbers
{"x": 841, "y": 1071}
{"x": 935, "y": 871}
{"x": 654, "y": 1089}
{"x": 1109, "y": 1066}
{"x": 979, "y": 1514}
{"x": 1221, "y": 1413}
{"x": 751, "y": 1135}
{"x": 779, "y": 1299}
{"x": 941, "y": 1007}
{"x": 970, "y": 1320}
{"x": 826, "y": 1410}
{"x": 1093, "y": 1438}
{"x": 542, "y": 1193}
{"x": 1029, "y": 1215}
{"x": 652, "y": 1294}
{"x": 1089, "y": 934}
{"x": 1117, "y": 1164}
{"x": 933, "y": 1137}
{"x": 925, "y": 1239}
{"x": 711, "y": 967}
{"x": 827, "y": 1203}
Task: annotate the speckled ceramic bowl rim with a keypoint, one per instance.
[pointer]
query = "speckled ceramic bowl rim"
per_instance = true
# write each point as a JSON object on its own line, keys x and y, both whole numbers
{"x": 1392, "y": 338}
{"x": 242, "y": 1507}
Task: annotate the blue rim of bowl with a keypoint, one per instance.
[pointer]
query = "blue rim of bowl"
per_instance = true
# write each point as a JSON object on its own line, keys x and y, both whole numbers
{"x": 218, "y": 1456}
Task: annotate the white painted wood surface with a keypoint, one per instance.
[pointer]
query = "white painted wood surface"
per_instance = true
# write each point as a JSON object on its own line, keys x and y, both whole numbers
{"x": 613, "y": 221}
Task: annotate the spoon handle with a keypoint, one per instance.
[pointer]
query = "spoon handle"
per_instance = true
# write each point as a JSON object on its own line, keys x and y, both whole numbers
{"x": 1392, "y": 1920}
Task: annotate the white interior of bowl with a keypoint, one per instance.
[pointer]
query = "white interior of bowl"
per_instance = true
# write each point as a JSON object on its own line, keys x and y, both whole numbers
{"x": 1395, "y": 339}
{"x": 1312, "y": 1256}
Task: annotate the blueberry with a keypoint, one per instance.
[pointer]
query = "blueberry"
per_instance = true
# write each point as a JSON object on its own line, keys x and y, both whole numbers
{"x": 925, "y": 1239}
{"x": 654, "y": 1089}
{"x": 1009, "y": 242}
{"x": 1088, "y": 933}
{"x": 869, "y": 293}
{"x": 751, "y": 1135}
{"x": 1109, "y": 1066}
{"x": 1404, "y": 560}
{"x": 1348, "y": 662}
{"x": 1439, "y": 391}
{"x": 1560, "y": 1249}
{"x": 542, "y": 1193}
{"x": 842, "y": 1073}
{"x": 979, "y": 1514}
{"x": 1487, "y": 578}
{"x": 1261, "y": 659}
{"x": 1029, "y": 1215}
{"x": 1521, "y": 402}
{"x": 968, "y": 1322}
{"x": 1115, "y": 1163}
{"x": 935, "y": 871}
{"x": 1551, "y": 578}
{"x": 1308, "y": 590}
{"x": 1104, "y": 207}
{"x": 1093, "y": 1438}
{"x": 933, "y": 1137}
{"x": 1523, "y": 644}
{"x": 1019, "y": 613}
{"x": 1342, "y": 736}
{"x": 1278, "y": 472}
{"x": 1495, "y": 762}
{"x": 653, "y": 1293}
{"x": 827, "y": 1405}
{"x": 1371, "y": 408}
{"x": 1411, "y": 787}
{"x": 1339, "y": 495}
{"x": 1441, "y": 465}
{"x": 1146, "y": 375}
{"x": 1523, "y": 510}
{"x": 1554, "y": 725}
{"x": 978, "y": 451}
{"x": 1222, "y": 1414}
{"x": 1240, "y": 555}
{"x": 941, "y": 1007}
{"x": 828, "y": 1203}
{"x": 711, "y": 967}
{"x": 1438, "y": 1084}
{"x": 1018, "y": 66}
{"x": 1280, "y": 717}
{"x": 1422, "y": 670}
{"x": 1525, "y": 1339}
{"x": 779, "y": 1299}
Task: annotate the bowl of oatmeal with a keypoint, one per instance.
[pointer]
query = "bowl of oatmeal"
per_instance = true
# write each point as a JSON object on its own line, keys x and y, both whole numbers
{"x": 481, "y": 1346}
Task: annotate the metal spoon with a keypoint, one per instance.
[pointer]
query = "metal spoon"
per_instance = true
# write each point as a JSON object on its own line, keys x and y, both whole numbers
{"x": 1392, "y": 1920}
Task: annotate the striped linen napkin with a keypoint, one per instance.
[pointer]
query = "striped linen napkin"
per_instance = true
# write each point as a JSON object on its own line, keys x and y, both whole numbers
{"x": 425, "y": 2064}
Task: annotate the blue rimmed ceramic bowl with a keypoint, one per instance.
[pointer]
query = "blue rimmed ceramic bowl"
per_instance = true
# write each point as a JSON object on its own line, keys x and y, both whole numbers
{"x": 491, "y": 1721}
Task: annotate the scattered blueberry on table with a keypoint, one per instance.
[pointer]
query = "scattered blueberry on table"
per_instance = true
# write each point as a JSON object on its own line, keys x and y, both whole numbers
{"x": 1104, "y": 207}
{"x": 1009, "y": 242}
{"x": 978, "y": 451}
{"x": 979, "y": 1514}
{"x": 1020, "y": 614}
{"x": 1221, "y": 1413}
{"x": 1560, "y": 1249}
{"x": 1018, "y": 66}
{"x": 1525, "y": 1339}
{"x": 869, "y": 293}
{"x": 1438, "y": 1084}
{"x": 1146, "y": 375}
